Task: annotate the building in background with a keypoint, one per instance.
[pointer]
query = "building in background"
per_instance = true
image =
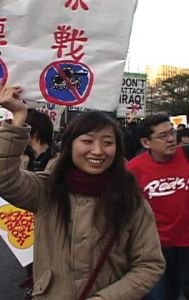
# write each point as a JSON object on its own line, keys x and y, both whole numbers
{"x": 155, "y": 94}
{"x": 160, "y": 73}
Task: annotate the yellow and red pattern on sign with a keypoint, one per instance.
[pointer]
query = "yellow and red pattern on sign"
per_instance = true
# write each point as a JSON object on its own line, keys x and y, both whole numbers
{"x": 19, "y": 225}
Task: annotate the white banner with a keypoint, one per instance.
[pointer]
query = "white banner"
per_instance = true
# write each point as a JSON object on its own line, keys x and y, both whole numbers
{"x": 70, "y": 52}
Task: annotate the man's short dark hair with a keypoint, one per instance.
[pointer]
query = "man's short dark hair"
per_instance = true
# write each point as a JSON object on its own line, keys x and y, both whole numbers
{"x": 41, "y": 126}
{"x": 181, "y": 126}
{"x": 182, "y": 133}
{"x": 146, "y": 126}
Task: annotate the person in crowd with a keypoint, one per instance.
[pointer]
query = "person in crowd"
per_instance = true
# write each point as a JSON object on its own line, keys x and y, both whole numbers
{"x": 59, "y": 136}
{"x": 181, "y": 126}
{"x": 183, "y": 136}
{"x": 163, "y": 174}
{"x": 40, "y": 153}
{"x": 95, "y": 235}
{"x": 131, "y": 141}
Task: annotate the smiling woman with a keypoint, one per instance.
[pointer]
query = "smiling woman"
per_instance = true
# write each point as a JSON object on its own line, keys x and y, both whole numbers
{"x": 94, "y": 152}
{"x": 90, "y": 214}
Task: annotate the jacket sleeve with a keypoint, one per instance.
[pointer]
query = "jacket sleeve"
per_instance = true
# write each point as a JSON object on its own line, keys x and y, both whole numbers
{"x": 23, "y": 189}
{"x": 147, "y": 262}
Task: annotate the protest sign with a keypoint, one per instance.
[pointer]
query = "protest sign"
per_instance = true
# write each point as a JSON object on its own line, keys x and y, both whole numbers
{"x": 179, "y": 119}
{"x": 54, "y": 112}
{"x": 70, "y": 52}
{"x": 17, "y": 230}
{"x": 5, "y": 114}
{"x": 133, "y": 95}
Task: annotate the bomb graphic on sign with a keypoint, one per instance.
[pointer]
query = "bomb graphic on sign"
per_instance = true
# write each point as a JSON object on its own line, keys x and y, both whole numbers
{"x": 66, "y": 82}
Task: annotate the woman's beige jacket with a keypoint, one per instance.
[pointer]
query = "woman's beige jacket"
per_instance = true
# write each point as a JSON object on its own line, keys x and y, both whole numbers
{"x": 61, "y": 269}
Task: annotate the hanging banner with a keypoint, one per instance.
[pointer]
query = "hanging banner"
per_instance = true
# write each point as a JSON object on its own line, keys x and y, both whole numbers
{"x": 17, "y": 230}
{"x": 69, "y": 52}
{"x": 133, "y": 95}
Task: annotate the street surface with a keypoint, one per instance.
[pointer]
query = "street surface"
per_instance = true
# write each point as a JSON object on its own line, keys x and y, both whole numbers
{"x": 11, "y": 274}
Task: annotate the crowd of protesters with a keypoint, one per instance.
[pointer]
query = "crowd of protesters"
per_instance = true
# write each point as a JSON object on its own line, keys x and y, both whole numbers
{"x": 93, "y": 227}
{"x": 77, "y": 185}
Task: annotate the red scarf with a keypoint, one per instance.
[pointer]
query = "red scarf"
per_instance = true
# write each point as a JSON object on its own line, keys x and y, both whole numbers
{"x": 83, "y": 183}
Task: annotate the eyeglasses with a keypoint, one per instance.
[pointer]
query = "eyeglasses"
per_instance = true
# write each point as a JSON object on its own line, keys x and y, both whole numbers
{"x": 165, "y": 135}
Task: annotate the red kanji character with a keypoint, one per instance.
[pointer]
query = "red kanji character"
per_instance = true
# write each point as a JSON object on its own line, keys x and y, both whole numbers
{"x": 3, "y": 42}
{"x": 76, "y": 4}
{"x": 65, "y": 36}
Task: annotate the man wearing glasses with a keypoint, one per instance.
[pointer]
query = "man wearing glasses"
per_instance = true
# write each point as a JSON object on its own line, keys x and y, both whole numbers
{"x": 163, "y": 174}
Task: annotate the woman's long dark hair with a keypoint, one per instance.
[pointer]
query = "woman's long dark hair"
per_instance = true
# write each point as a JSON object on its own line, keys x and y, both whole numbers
{"x": 119, "y": 200}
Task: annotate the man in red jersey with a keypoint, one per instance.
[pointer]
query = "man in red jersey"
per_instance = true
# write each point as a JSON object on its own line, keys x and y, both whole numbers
{"x": 163, "y": 174}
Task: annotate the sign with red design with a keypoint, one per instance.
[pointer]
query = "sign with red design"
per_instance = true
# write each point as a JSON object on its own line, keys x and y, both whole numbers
{"x": 3, "y": 43}
{"x": 68, "y": 52}
{"x": 66, "y": 82}
{"x": 17, "y": 230}
{"x": 133, "y": 95}
{"x": 3, "y": 71}
{"x": 75, "y": 4}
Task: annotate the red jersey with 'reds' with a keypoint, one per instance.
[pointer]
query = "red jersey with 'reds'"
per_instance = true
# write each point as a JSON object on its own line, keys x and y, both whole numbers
{"x": 166, "y": 186}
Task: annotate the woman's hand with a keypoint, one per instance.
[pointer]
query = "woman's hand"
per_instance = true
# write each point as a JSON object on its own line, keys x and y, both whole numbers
{"x": 10, "y": 99}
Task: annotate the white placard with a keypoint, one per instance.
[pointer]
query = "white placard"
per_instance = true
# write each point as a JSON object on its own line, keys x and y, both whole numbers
{"x": 133, "y": 95}
{"x": 179, "y": 119}
{"x": 5, "y": 114}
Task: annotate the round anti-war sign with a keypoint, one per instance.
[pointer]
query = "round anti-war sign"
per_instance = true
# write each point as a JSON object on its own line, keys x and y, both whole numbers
{"x": 3, "y": 72}
{"x": 66, "y": 82}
